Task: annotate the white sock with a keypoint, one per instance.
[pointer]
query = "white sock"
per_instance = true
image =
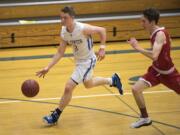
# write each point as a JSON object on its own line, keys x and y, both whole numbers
{"x": 110, "y": 81}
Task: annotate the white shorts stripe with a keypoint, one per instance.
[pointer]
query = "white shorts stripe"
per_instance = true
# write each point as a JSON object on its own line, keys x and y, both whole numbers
{"x": 150, "y": 85}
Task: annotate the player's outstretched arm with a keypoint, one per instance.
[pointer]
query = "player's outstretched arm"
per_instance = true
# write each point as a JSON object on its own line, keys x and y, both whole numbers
{"x": 134, "y": 43}
{"x": 157, "y": 47}
{"x": 56, "y": 58}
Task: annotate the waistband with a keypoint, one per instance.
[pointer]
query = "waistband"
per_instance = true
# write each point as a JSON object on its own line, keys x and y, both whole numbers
{"x": 164, "y": 72}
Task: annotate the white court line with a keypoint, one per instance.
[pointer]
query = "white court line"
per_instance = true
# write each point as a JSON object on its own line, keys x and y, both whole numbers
{"x": 88, "y": 96}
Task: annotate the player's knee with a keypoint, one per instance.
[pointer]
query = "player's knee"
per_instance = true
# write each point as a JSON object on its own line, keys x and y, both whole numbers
{"x": 134, "y": 90}
{"x": 87, "y": 85}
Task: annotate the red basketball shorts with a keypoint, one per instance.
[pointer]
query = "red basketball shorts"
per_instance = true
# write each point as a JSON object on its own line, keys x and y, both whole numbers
{"x": 172, "y": 80}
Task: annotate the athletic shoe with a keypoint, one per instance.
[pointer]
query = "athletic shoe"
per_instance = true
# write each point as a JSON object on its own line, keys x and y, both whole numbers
{"x": 141, "y": 122}
{"x": 52, "y": 118}
{"x": 116, "y": 82}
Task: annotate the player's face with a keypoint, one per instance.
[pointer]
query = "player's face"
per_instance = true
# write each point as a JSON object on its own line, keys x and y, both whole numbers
{"x": 145, "y": 23}
{"x": 66, "y": 19}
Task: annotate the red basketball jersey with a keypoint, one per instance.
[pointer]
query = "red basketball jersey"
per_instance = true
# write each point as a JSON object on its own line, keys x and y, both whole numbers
{"x": 164, "y": 61}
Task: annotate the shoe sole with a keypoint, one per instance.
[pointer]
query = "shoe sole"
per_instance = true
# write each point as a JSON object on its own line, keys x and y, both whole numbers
{"x": 46, "y": 122}
{"x": 146, "y": 124}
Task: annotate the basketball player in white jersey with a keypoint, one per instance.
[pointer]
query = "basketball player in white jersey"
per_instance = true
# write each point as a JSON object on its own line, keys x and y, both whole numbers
{"x": 79, "y": 36}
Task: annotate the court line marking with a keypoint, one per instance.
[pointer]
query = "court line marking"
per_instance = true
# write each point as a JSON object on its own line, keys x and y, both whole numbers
{"x": 86, "y": 96}
{"x": 15, "y": 58}
{"x": 106, "y": 111}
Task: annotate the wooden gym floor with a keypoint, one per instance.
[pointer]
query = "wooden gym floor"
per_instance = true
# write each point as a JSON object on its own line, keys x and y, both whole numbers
{"x": 96, "y": 111}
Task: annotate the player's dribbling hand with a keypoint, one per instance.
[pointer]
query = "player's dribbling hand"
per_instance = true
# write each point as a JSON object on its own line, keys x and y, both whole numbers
{"x": 100, "y": 54}
{"x": 42, "y": 72}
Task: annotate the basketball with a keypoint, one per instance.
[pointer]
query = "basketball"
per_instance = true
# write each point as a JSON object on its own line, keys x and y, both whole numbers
{"x": 30, "y": 88}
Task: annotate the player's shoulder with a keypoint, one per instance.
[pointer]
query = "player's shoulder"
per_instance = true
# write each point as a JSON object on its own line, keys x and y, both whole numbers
{"x": 160, "y": 34}
{"x": 80, "y": 24}
{"x": 161, "y": 31}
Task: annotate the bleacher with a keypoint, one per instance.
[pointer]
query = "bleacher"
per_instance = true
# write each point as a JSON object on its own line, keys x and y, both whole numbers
{"x": 121, "y": 18}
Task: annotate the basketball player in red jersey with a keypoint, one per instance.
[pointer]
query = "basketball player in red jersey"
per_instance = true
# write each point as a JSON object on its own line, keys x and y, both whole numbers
{"x": 162, "y": 69}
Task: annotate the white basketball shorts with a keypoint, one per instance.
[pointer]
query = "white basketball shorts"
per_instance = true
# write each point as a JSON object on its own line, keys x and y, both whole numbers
{"x": 83, "y": 70}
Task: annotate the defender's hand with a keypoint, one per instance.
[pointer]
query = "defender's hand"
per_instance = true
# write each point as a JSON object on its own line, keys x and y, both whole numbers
{"x": 133, "y": 42}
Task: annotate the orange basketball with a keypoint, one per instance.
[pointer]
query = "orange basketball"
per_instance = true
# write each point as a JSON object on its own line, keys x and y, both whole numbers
{"x": 30, "y": 88}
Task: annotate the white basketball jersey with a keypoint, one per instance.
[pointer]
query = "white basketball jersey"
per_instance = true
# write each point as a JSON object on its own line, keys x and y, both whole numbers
{"x": 82, "y": 45}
